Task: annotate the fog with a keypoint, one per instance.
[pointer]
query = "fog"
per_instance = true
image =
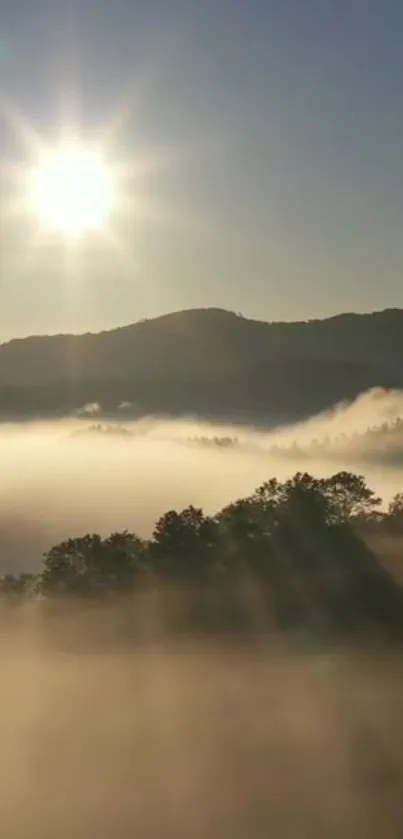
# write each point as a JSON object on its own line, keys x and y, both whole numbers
{"x": 60, "y": 479}
{"x": 103, "y": 736}
{"x": 222, "y": 741}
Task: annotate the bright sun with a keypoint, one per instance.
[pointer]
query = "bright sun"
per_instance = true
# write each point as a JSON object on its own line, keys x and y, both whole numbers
{"x": 72, "y": 190}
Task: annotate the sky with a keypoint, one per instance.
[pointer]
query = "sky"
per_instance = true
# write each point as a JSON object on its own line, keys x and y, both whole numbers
{"x": 265, "y": 137}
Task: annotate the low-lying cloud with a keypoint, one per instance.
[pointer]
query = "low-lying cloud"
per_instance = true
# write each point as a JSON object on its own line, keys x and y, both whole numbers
{"x": 196, "y": 742}
{"x": 106, "y": 737}
{"x": 67, "y": 477}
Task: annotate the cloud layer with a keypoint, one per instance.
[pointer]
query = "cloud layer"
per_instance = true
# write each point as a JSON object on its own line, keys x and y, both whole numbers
{"x": 62, "y": 478}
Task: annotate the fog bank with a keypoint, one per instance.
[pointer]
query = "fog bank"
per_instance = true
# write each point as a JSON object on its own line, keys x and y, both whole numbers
{"x": 197, "y": 740}
{"x": 66, "y": 478}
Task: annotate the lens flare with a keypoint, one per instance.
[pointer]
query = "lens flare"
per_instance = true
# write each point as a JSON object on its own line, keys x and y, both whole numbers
{"x": 72, "y": 190}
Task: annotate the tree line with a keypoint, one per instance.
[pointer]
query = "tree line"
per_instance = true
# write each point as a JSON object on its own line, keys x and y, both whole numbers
{"x": 296, "y": 544}
{"x": 378, "y": 442}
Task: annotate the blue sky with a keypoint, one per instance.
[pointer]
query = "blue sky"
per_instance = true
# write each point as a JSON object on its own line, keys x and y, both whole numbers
{"x": 281, "y": 122}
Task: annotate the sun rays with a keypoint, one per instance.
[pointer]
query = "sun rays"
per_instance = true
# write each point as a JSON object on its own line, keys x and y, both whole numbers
{"x": 76, "y": 191}
{"x": 72, "y": 190}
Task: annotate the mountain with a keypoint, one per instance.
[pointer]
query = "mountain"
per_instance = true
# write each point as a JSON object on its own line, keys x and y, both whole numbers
{"x": 206, "y": 361}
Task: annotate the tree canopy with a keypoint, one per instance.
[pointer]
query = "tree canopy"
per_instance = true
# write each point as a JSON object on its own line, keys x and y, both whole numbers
{"x": 296, "y": 541}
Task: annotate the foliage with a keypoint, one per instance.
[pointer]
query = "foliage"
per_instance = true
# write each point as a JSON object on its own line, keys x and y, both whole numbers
{"x": 213, "y": 442}
{"x": 185, "y": 545}
{"x": 91, "y": 565}
{"x": 378, "y": 443}
{"x": 296, "y": 541}
{"x": 395, "y": 513}
{"x": 104, "y": 430}
{"x": 16, "y": 587}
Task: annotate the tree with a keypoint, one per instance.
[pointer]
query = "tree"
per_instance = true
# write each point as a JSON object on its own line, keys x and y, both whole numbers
{"x": 90, "y": 565}
{"x": 247, "y": 527}
{"x": 15, "y": 587}
{"x": 395, "y": 507}
{"x": 349, "y": 498}
{"x": 394, "y": 517}
{"x": 184, "y": 545}
{"x": 293, "y": 543}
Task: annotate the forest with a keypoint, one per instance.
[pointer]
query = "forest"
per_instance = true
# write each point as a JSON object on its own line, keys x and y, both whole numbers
{"x": 294, "y": 556}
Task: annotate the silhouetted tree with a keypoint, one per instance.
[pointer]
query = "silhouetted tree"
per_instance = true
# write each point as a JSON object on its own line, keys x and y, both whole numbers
{"x": 184, "y": 545}
{"x": 349, "y": 497}
{"x": 295, "y": 542}
{"x": 394, "y": 517}
{"x": 16, "y": 587}
{"x": 90, "y": 565}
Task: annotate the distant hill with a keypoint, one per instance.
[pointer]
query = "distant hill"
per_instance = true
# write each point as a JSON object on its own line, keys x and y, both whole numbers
{"x": 205, "y": 361}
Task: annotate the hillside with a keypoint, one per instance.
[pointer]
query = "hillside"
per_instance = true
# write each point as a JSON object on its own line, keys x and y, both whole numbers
{"x": 206, "y": 361}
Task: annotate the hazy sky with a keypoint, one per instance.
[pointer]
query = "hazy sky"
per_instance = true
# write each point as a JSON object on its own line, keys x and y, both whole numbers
{"x": 279, "y": 125}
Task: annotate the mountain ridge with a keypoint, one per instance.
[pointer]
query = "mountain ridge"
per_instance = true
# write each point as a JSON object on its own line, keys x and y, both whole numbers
{"x": 207, "y": 359}
{"x": 376, "y": 313}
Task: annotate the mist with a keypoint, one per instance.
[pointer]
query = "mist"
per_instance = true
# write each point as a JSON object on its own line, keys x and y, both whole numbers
{"x": 61, "y": 479}
{"x": 223, "y": 740}
{"x": 150, "y": 735}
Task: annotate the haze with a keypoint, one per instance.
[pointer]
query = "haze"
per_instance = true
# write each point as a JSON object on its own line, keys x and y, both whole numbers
{"x": 265, "y": 144}
{"x": 59, "y": 482}
{"x": 220, "y": 741}
{"x": 254, "y": 149}
{"x": 224, "y": 738}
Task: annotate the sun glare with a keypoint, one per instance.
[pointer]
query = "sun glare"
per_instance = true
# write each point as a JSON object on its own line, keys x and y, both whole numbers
{"x": 72, "y": 190}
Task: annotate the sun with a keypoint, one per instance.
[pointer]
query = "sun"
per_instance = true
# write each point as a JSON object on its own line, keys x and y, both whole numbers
{"x": 72, "y": 190}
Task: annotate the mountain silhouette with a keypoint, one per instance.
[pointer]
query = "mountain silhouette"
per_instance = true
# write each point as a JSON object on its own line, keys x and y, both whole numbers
{"x": 209, "y": 362}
